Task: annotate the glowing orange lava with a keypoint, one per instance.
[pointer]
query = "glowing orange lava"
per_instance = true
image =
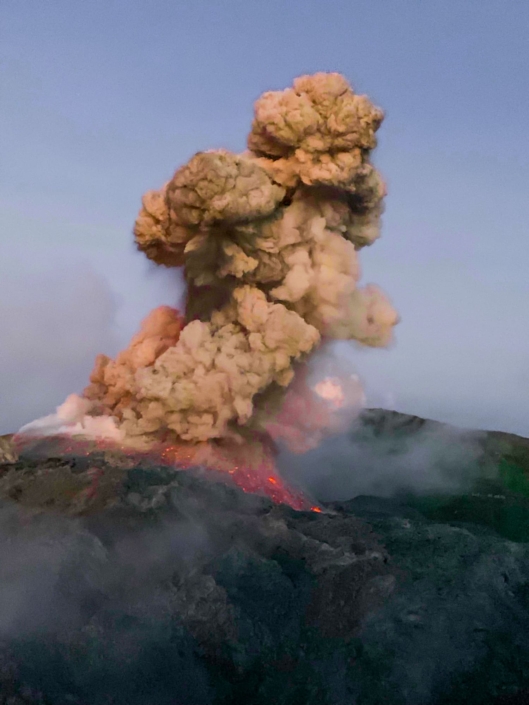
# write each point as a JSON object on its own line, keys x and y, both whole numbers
{"x": 250, "y": 466}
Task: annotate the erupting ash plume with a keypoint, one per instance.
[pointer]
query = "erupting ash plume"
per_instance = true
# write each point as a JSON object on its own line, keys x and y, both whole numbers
{"x": 269, "y": 243}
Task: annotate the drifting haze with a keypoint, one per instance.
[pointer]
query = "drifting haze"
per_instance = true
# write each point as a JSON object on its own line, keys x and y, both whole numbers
{"x": 51, "y": 332}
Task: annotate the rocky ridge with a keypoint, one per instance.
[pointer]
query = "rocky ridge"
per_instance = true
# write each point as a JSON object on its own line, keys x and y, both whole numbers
{"x": 126, "y": 582}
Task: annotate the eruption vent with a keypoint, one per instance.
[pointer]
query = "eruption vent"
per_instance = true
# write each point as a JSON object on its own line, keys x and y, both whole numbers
{"x": 269, "y": 242}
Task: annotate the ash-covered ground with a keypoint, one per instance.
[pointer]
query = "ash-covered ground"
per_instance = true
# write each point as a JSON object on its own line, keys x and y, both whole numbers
{"x": 126, "y": 582}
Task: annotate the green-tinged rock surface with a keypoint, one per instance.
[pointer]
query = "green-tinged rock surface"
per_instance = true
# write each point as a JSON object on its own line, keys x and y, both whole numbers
{"x": 122, "y": 582}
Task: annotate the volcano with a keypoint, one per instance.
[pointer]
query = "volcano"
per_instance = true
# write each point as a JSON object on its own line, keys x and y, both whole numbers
{"x": 213, "y": 520}
{"x": 128, "y": 580}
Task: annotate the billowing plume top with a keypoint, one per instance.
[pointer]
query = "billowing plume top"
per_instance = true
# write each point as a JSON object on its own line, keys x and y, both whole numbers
{"x": 317, "y": 132}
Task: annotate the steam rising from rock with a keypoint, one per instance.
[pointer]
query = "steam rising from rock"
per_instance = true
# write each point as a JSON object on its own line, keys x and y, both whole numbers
{"x": 269, "y": 242}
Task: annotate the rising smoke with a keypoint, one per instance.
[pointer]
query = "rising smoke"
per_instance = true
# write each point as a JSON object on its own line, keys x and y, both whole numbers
{"x": 433, "y": 459}
{"x": 269, "y": 243}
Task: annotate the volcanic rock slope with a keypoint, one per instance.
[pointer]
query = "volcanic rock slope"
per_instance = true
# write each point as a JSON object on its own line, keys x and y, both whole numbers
{"x": 125, "y": 582}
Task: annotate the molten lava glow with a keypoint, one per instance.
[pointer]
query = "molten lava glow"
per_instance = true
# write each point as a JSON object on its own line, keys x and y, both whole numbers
{"x": 331, "y": 390}
{"x": 250, "y": 465}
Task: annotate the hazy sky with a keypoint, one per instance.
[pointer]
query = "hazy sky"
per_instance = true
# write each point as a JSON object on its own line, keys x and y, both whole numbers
{"x": 101, "y": 100}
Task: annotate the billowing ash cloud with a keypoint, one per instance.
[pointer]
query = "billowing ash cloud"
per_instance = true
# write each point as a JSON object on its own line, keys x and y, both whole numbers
{"x": 269, "y": 243}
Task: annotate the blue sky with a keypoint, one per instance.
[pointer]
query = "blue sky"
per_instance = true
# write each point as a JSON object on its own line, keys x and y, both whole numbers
{"x": 102, "y": 100}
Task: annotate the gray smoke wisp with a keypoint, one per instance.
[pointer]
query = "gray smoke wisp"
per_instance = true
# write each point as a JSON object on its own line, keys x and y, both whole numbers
{"x": 434, "y": 458}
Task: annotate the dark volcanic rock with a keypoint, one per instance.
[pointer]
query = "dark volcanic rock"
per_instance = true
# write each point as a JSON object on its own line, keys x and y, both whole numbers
{"x": 123, "y": 583}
